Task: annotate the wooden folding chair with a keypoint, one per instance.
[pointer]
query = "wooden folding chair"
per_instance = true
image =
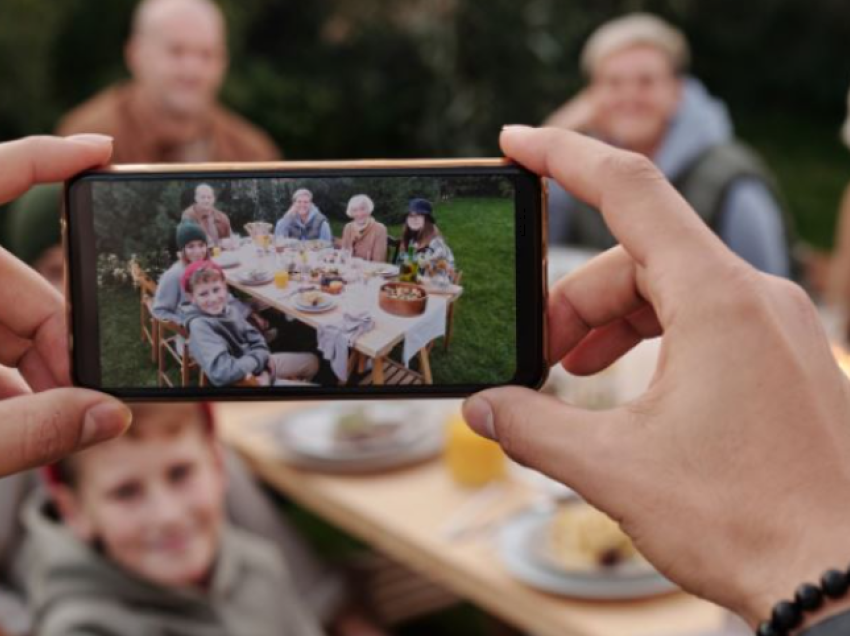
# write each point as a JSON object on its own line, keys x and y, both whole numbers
{"x": 174, "y": 346}
{"x": 392, "y": 248}
{"x": 147, "y": 321}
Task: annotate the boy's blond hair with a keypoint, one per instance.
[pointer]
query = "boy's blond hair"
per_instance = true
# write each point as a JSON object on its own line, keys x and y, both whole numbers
{"x": 636, "y": 29}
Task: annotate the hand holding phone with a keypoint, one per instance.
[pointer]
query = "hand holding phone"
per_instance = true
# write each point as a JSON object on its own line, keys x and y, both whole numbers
{"x": 39, "y": 420}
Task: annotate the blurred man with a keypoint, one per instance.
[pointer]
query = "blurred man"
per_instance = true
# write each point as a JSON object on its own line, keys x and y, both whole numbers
{"x": 639, "y": 98}
{"x": 168, "y": 111}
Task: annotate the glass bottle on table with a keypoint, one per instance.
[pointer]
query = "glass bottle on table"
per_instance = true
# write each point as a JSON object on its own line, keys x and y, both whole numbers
{"x": 409, "y": 265}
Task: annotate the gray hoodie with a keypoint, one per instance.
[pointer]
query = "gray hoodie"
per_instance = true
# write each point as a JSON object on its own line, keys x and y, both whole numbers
{"x": 227, "y": 347}
{"x": 751, "y": 222}
{"x": 169, "y": 294}
{"x": 76, "y": 591}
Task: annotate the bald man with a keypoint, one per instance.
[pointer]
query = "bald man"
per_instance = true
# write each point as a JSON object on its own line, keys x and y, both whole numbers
{"x": 169, "y": 110}
{"x": 203, "y": 212}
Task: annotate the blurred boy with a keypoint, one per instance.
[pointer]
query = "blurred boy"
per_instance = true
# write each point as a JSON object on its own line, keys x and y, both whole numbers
{"x": 133, "y": 540}
{"x": 228, "y": 349}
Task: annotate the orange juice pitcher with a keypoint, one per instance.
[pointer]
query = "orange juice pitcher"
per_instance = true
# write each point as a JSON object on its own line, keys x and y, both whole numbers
{"x": 472, "y": 460}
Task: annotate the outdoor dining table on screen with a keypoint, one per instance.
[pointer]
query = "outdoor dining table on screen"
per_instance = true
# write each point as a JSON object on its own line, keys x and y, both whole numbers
{"x": 414, "y": 332}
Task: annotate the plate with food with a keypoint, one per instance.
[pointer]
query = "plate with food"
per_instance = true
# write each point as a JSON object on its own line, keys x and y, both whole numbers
{"x": 360, "y": 437}
{"x": 227, "y": 260}
{"x": 386, "y": 270}
{"x": 578, "y": 551}
{"x": 255, "y": 277}
{"x": 314, "y": 302}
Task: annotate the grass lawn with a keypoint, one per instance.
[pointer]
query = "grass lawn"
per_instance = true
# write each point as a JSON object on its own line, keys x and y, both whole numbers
{"x": 484, "y": 339}
{"x": 126, "y": 359}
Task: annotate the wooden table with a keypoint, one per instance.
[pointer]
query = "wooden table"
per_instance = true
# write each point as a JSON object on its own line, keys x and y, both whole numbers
{"x": 403, "y": 514}
{"x": 377, "y": 344}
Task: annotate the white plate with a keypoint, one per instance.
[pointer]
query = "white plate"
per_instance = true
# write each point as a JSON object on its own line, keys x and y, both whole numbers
{"x": 307, "y": 438}
{"x": 519, "y": 550}
{"x": 387, "y": 271}
{"x": 328, "y": 304}
{"x": 227, "y": 261}
{"x": 245, "y": 279}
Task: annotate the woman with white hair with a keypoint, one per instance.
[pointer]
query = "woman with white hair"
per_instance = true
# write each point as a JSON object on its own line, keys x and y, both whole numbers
{"x": 364, "y": 236}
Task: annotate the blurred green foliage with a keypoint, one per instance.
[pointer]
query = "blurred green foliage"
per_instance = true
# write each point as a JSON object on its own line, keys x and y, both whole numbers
{"x": 402, "y": 78}
{"x": 333, "y": 79}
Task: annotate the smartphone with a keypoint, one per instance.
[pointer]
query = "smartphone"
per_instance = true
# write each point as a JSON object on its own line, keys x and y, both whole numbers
{"x": 305, "y": 280}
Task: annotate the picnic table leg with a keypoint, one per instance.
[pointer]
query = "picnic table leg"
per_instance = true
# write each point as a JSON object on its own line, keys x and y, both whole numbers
{"x": 354, "y": 361}
{"x": 378, "y": 371}
{"x": 425, "y": 361}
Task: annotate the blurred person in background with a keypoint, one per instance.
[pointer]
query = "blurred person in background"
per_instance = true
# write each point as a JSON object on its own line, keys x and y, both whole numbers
{"x": 33, "y": 232}
{"x": 640, "y": 98}
{"x": 168, "y": 111}
{"x": 838, "y": 290}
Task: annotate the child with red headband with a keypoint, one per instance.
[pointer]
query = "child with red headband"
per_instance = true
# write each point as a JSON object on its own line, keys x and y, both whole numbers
{"x": 133, "y": 540}
{"x": 225, "y": 345}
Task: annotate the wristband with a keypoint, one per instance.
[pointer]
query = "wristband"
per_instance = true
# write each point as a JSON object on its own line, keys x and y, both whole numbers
{"x": 788, "y": 615}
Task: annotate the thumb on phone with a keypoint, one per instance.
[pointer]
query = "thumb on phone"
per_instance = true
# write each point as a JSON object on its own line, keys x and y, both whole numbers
{"x": 43, "y": 427}
{"x": 572, "y": 445}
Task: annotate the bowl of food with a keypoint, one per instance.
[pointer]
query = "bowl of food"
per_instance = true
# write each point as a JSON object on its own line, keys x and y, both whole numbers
{"x": 403, "y": 299}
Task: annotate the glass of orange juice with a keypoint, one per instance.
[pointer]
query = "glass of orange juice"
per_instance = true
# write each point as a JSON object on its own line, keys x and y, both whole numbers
{"x": 281, "y": 279}
{"x": 472, "y": 460}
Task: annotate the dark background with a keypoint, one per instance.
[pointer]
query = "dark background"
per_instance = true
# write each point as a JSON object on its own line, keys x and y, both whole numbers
{"x": 425, "y": 78}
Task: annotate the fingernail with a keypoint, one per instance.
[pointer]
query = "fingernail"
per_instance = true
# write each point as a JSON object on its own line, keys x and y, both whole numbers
{"x": 479, "y": 415}
{"x": 510, "y": 127}
{"x": 105, "y": 421}
{"x": 91, "y": 139}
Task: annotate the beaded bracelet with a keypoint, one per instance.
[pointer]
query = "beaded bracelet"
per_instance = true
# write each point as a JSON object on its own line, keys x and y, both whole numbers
{"x": 788, "y": 615}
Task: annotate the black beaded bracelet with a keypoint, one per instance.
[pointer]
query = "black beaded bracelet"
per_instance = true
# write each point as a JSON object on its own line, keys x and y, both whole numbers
{"x": 788, "y": 615}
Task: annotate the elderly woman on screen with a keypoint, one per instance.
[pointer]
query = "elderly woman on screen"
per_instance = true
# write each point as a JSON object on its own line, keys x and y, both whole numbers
{"x": 303, "y": 221}
{"x": 364, "y": 236}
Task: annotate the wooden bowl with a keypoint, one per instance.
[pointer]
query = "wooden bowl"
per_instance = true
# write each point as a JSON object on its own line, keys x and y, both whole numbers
{"x": 402, "y": 307}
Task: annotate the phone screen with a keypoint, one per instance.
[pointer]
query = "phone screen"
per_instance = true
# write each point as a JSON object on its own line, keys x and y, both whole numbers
{"x": 351, "y": 282}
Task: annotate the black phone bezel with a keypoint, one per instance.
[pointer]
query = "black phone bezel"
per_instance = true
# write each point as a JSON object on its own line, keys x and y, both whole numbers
{"x": 82, "y": 292}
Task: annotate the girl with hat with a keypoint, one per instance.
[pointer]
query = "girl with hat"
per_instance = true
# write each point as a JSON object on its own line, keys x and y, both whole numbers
{"x": 364, "y": 236}
{"x": 421, "y": 232}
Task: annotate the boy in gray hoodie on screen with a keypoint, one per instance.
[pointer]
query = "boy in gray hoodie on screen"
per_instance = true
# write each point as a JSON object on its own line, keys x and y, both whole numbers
{"x": 228, "y": 349}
